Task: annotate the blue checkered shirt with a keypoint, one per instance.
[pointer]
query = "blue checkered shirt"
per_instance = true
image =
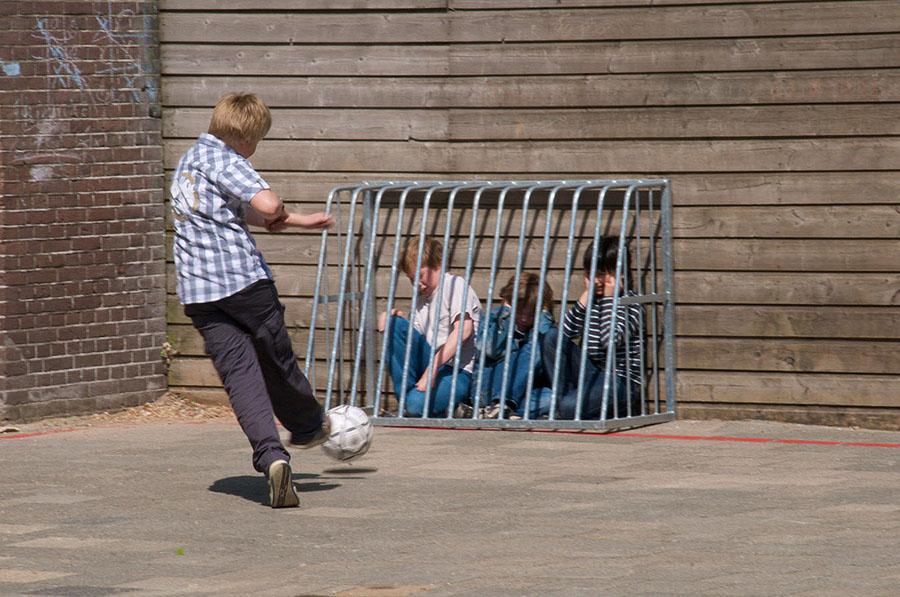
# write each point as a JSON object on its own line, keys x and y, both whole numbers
{"x": 215, "y": 254}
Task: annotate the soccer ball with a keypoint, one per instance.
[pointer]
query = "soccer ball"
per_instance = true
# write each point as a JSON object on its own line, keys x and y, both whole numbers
{"x": 351, "y": 433}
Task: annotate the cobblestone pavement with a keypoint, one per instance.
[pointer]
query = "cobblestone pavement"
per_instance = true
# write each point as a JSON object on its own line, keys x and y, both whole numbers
{"x": 173, "y": 507}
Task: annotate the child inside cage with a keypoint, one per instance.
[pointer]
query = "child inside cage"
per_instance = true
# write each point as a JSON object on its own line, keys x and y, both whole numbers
{"x": 445, "y": 309}
{"x": 492, "y": 341}
{"x": 628, "y": 342}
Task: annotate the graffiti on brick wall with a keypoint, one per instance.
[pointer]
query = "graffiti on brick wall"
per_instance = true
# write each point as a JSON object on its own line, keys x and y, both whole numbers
{"x": 120, "y": 50}
{"x": 124, "y": 72}
{"x": 127, "y": 44}
{"x": 64, "y": 71}
{"x": 11, "y": 69}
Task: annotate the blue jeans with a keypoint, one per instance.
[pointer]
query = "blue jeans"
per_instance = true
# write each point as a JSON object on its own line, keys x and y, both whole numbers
{"x": 594, "y": 377}
{"x": 419, "y": 356}
{"x": 517, "y": 382}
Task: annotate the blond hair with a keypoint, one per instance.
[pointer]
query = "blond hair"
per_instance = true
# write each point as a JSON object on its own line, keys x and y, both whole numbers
{"x": 241, "y": 117}
{"x": 432, "y": 254}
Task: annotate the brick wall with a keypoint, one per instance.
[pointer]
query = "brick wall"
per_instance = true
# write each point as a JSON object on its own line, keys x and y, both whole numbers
{"x": 82, "y": 295}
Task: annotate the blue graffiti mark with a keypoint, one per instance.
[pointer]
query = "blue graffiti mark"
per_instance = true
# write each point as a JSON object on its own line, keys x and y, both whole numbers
{"x": 151, "y": 90}
{"x": 136, "y": 72}
{"x": 64, "y": 68}
{"x": 11, "y": 69}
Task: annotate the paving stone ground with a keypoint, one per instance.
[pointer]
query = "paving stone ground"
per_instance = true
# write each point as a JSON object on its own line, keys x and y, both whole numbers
{"x": 174, "y": 508}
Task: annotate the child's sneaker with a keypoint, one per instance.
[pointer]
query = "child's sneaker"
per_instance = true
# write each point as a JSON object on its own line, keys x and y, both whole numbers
{"x": 281, "y": 486}
{"x": 463, "y": 411}
{"x": 493, "y": 411}
{"x": 316, "y": 440}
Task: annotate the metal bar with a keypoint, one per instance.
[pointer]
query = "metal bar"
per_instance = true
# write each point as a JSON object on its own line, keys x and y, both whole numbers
{"x": 611, "y": 365}
{"x": 415, "y": 298}
{"x": 557, "y": 425}
{"x": 654, "y": 324}
{"x": 669, "y": 308}
{"x": 392, "y": 288}
{"x": 338, "y": 327}
{"x": 490, "y": 292}
{"x": 370, "y": 224}
{"x": 430, "y": 391}
{"x": 638, "y": 260}
{"x": 319, "y": 272}
{"x": 371, "y": 288}
{"x": 539, "y": 305}
{"x": 467, "y": 283}
{"x": 589, "y": 307}
{"x": 517, "y": 276}
{"x": 563, "y": 304}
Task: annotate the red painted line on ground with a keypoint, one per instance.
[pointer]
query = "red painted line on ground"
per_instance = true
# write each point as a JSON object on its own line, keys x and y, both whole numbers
{"x": 35, "y": 433}
{"x": 762, "y": 440}
{"x": 693, "y": 438}
{"x": 809, "y": 442}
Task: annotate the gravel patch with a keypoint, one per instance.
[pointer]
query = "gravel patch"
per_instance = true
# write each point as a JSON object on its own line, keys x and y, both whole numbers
{"x": 170, "y": 407}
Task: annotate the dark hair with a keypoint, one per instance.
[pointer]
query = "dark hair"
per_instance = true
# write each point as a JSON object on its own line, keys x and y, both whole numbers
{"x": 607, "y": 255}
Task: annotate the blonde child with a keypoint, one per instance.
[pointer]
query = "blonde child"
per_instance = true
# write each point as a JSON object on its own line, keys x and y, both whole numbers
{"x": 227, "y": 290}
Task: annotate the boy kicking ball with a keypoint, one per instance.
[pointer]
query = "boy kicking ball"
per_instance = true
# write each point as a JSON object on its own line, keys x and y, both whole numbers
{"x": 227, "y": 290}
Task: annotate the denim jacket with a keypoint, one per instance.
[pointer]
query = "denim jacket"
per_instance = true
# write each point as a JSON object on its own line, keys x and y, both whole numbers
{"x": 492, "y": 337}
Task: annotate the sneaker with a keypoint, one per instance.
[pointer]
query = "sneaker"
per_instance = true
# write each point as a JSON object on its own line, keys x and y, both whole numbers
{"x": 514, "y": 417}
{"x": 493, "y": 411}
{"x": 281, "y": 486}
{"x": 463, "y": 411}
{"x": 317, "y": 440}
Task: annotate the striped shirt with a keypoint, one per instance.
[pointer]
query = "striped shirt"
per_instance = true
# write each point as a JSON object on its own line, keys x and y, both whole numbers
{"x": 215, "y": 254}
{"x": 628, "y": 339}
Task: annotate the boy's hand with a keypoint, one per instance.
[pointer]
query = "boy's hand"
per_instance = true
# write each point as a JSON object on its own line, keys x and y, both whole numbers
{"x": 382, "y": 319}
{"x": 604, "y": 285}
{"x": 316, "y": 221}
{"x": 422, "y": 384}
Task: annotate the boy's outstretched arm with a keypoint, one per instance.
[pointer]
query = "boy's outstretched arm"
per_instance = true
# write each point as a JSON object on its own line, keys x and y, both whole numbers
{"x": 314, "y": 221}
{"x": 269, "y": 212}
{"x": 446, "y": 352}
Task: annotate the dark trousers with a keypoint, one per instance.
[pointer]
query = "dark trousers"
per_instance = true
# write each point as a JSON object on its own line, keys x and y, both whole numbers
{"x": 246, "y": 337}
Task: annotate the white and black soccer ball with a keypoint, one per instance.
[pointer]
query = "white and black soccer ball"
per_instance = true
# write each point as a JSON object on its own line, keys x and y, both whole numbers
{"x": 351, "y": 433}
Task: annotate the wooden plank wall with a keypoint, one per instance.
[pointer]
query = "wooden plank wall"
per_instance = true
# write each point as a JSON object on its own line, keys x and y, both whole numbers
{"x": 777, "y": 121}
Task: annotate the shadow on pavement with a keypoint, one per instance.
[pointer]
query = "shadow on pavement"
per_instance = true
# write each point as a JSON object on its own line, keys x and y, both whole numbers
{"x": 255, "y": 489}
{"x": 350, "y": 470}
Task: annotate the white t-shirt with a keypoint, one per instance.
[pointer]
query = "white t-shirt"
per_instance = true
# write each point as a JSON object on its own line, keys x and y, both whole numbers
{"x": 455, "y": 298}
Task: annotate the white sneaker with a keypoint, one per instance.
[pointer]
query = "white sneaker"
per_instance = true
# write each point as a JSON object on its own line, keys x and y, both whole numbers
{"x": 281, "y": 486}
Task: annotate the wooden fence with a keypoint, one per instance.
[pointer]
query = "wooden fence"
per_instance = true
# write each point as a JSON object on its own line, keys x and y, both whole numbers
{"x": 778, "y": 123}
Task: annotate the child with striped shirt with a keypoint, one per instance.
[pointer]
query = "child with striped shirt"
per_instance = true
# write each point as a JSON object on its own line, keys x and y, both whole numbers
{"x": 627, "y": 343}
